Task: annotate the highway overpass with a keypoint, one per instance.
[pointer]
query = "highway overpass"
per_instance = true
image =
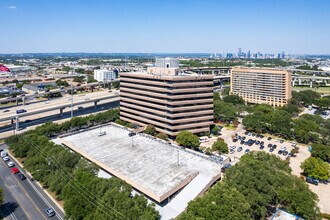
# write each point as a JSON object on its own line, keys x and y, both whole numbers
{"x": 15, "y": 117}
{"x": 23, "y": 98}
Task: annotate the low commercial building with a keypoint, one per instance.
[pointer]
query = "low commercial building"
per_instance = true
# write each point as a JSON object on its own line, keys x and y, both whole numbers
{"x": 104, "y": 75}
{"x": 168, "y": 175}
{"x": 261, "y": 86}
{"x": 171, "y": 102}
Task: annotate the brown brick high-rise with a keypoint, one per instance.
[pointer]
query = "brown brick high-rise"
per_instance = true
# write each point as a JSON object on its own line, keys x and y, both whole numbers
{"x": 171, "y": 103}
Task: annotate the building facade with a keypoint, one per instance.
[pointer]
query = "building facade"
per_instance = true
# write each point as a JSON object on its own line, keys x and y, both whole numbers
{"x": 261, "y": 86}
{"x": 104, "y": 75}
{"x": 171, "y": 103}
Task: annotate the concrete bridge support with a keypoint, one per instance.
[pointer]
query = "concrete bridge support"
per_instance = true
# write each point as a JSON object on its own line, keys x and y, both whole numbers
{"x": 17, "y": 124}
{"x": 61, "y": 112}
{"x": 95, "y": 103}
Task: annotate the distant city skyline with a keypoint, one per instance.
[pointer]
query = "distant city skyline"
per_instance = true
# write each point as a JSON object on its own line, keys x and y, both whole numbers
{"x": 146, "y": 26}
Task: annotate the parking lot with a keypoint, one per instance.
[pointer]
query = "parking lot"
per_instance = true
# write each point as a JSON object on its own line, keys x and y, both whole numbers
{"x": 240, "y": 142}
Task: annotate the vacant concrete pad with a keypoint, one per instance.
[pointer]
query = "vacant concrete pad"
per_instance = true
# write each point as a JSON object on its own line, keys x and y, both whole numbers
{"x": 148, "y": 165}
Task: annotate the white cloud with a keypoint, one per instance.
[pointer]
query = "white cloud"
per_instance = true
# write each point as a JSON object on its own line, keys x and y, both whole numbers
{"x": 12, "y": 7}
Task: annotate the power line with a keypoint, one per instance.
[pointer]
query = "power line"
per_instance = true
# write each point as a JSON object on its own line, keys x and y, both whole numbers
{"x": 76, "y": 184}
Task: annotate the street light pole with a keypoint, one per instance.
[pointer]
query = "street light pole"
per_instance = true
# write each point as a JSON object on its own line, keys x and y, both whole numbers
{"x": 71, "y": 98}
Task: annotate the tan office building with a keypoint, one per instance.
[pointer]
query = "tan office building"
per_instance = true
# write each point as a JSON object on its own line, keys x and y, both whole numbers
{"x": 261, "y": 86}
{"x": 170, "y": 102}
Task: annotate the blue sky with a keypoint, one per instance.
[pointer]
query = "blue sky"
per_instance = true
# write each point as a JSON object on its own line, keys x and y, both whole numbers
{"x": 295, "y": 26}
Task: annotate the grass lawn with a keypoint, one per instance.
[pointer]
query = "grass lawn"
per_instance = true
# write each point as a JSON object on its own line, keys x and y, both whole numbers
{"x": 324, "y": 90}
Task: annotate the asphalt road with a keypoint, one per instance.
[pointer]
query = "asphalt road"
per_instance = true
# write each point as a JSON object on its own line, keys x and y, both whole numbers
{"x": 24, "y": 199}
{"x": 55, "y": 117}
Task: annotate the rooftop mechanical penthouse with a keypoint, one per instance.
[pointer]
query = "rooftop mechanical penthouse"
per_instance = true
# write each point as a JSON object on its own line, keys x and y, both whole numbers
{"x": 169, "y": 101}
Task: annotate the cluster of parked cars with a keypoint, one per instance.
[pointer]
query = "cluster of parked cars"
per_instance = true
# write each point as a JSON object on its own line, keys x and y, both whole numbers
{"x": 242, "y": 139}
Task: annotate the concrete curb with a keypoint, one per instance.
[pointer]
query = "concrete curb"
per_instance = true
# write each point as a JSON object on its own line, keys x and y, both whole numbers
{"x": 30, "y": 175}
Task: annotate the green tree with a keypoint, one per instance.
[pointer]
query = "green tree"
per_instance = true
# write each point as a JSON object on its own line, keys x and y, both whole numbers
{"x": 321, "y": 151}
{"x": 316, "y": 168}
{"x": 90, "y": 79}
{"x": 225, "y": 92}
{"x": 60, "y": 82}
{"x": 151, "y": 130}
{"x": 220, "y": 202}
{"x": 1, "y": 196}
{"x": 220, "y": 146}
{"x": 224, "y": 111}
{"x": 234, "y": 99}
{"x": 187, "y": 139}
{"x": 162, "y": 136}
{"x": 78, "y": 79}
{"x": 280, "y": 123}
{"x": 215, "y": 130}
{"x": 258, "y": 183}
{"x": 305, "y": 130}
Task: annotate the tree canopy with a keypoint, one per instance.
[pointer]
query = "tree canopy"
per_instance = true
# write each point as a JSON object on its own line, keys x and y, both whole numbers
{"x": 321, "y": 151}
{"x": 252, "y": 189}
{"x": 316, "y": 168}
{"x": 73, "y": 179}
{"x": 220, "y": 146}
{"x": 187, "y": 139}
{"x": 234, "y": 99}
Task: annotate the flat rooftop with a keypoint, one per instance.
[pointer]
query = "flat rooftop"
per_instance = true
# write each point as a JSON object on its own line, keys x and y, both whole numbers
{"x": 149, "y": 165}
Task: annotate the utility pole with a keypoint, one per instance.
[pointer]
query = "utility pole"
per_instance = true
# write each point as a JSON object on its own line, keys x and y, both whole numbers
{"x": 71, "y": 97}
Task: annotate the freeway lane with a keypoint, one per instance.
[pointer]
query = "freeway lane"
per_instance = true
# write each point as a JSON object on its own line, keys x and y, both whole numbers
{"x": 54, "y": 103}
{"x": 25, "y": 196}
{"x": 8, "y": 130}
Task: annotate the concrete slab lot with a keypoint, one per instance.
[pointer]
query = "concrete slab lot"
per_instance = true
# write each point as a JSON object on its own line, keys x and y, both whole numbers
{"x": 149, "y": 165}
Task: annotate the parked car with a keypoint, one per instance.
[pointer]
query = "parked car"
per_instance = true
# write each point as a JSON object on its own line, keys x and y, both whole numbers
{"x": 232, "y": 151}
{"x": 242, "y": 142}
{"x": 247, "y": 151}
{"x": 80, "y": 107}
{"x": 274, "y": 146}
{"x": 283, "y": 148}
{"x": 233, "y": 147}
{"x": 285, "y": 153}
{"x": 271, "y": 149}
{"x": 14, "y": 170}
{"x": 239, "y": 149}
{"x": 235, "y": 140}
{"x": 225, "y": 167}
{"x": 257, "y": 142}
{"x": 269, "y": 138}
{"x": 281, "y": 141}
{"x": 261, "y": 147}
{"x": 270, "y": 145}
{"x": 262, "y": 143}
{"x": 6, "y": 159}
{"x": 279, "y": 152}
{"x": 312, "y": 180}
{"x": 21, "y": 176}
{"x": 50, "y": 212}
{"x": 10, "y": 164}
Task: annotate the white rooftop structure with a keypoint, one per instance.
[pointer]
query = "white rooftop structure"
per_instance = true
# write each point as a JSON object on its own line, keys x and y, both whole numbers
{"x": 149, "y": 165}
